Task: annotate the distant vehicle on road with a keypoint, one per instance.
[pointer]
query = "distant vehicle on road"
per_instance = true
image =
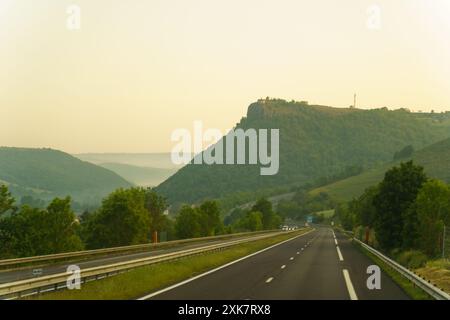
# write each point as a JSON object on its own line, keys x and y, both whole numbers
{"x": 289, "y": 228}
{"x": 37, "y": 272}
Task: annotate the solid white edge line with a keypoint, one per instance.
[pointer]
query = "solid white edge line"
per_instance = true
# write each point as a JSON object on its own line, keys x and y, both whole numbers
{"x": 348, "y": 283}
{"x": 341, "y": 258}
{"x": 335, "y": 241}
{"x": 219, "y": 268}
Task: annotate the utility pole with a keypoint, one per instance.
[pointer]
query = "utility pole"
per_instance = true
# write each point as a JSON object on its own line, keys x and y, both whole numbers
{"x": 443, "y": 244}
{"x": 354, "y": 100}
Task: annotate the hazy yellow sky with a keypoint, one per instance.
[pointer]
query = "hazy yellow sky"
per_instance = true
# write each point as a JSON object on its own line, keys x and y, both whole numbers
{"x": 137, "y": 70}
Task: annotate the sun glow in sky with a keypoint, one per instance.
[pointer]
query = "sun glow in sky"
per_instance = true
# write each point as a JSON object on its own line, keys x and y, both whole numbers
{"x": 137, "y": 70}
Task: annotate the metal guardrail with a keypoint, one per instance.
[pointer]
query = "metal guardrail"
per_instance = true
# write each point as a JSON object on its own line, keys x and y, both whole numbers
{"x": 38, "y": 284}
{"x": 429, "y": 288}
{"x": 124, "y": 249}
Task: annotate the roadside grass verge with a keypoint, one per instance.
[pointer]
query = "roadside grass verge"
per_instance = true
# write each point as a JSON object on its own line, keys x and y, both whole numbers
{"x": 438, "y": 272}
{"x": 410, "y": 289}
{"x": 144, "y": 280}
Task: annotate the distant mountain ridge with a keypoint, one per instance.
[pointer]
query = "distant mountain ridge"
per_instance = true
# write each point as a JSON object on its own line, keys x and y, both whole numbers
{"x": 315, "y": 142}
{"x": 152, "y": 160}
{"x": 141, "y": 176}
{"x": 46, "y": 173}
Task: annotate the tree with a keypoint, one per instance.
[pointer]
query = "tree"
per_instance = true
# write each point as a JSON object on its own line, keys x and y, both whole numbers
{"x": 253, "y": 221}
{"x": 7, "y": 239}
{"x": 121, "y": 220}
{"x": 6, "y": 200}
{"x": 33, "y": 231}
{"x": 410, "y": 231}
{"x": 210, "y": 221}
{"x": 288, "y": 208}
{"x": 396, "y": 193}
{"x": 270, "y": 219}
{"x": 155, "y": 205}
{"x": 345, "y": 216}
{"x": 367, "y": 210}
{"x": 187, "y": 223}
{"x": 360, "y": 211}
{"x": 234, "y": 216}
{"x": 63, "y": 226}
{"x": 433, "y": 213}
{"x": 34, "y": 202}
{"x": 168, "y": 228}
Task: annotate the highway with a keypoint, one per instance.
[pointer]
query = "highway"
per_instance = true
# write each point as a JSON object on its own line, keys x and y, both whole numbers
{"x": 7, "y": 276}
{"x": 317, "y": 265}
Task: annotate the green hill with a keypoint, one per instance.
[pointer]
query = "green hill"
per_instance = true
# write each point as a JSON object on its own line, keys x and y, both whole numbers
{"x": 46, "y": 173}
{"x": 315, "y": 142}
{"x": 141, "y": 176}
{"x": 434, "y": 158}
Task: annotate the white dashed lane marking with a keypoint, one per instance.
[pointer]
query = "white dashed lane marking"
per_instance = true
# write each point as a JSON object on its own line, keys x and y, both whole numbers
{"x": 341, "y": 258}
{"x": 348, "y": 283}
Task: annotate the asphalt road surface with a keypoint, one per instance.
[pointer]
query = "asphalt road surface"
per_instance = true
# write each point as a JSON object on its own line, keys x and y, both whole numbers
{"x": 318, "y": 265}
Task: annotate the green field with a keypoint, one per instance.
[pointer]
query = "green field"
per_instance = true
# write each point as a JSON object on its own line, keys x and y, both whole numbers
{"x": 347, "y": 189}
{"x": 144, "y": 280}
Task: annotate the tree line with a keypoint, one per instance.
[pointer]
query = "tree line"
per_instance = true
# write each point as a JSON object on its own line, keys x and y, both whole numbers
{"x": 125, "y": 217}
{"x": 406, "y": 211}
{"x": 261, "y": 216}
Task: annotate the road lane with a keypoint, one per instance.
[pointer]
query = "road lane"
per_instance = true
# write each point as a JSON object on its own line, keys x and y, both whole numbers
{"x": 239, "y": 280}
{"x": 317, "y": 272}
{"x": 357, "y": 263}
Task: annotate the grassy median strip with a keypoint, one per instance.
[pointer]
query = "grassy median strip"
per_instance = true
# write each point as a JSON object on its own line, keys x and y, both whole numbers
{"x": 410, "y": 288}
{"x": 143, "y": 280}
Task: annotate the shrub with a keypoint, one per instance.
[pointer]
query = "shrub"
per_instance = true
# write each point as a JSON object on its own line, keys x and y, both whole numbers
{"x": 412, "y": 259}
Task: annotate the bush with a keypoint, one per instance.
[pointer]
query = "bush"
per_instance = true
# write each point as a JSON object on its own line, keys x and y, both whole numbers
{"x": 359, "y": 233}
{"x": 412, "y": 259}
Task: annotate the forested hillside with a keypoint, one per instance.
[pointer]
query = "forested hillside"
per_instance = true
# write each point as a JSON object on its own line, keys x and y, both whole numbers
{"x": 316, "y": 142}
{"x": 46, "y": 173}
{"x": 434, "y": 158}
